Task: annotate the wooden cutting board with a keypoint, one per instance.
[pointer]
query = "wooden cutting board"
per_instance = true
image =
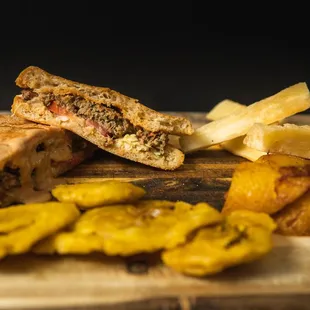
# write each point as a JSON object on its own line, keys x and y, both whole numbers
{"x": 279, "y": 281}
{"x": 204, "y": 176}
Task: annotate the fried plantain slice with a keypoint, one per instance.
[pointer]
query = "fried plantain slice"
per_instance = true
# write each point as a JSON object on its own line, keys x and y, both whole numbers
{"x": 268, "y": 184}
{"x": 294, "y": 219}
{"x": 147, "y": 226}
{"x": 21, "y": 226}
{"x": 242, "y": 237}
{"x": 90, "y": 195}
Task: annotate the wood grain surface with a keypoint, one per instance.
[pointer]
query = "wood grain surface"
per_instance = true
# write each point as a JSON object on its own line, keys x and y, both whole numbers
{"x": 204, "y": 176}
{"x": 279, "y": 281}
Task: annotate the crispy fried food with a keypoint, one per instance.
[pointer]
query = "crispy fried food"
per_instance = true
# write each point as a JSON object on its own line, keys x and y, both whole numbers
{"x": 275, "y": 108}
{"x": 294, "y": 219}
{"x": 125, "y": 230}
{"x": 268, "y": 184}
{"x": 224, "y": 108}
{"x": 90, "y": 195}
{"x": 243, "y": 237}
{"x": 237, "y": 147}
{"x": 288, "y": 139}
{"x": 283, "y": 161}
{"x": 21, "y": 226}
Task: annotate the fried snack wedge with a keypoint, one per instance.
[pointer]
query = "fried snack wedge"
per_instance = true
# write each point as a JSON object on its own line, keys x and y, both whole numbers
{"x": 90, "y": 195}
{"x": 21, "y": 226}
{"x": 236, "y": 145}
{"x": 294, "y": 219}
{"x": 243, "y": 237}
{"x": 288, "y": 139}
{"x": 268, "y": 184}
{"x": 224, "y": 108}
{"x": 125, "y": 230}
{"x": 285, "y": 103}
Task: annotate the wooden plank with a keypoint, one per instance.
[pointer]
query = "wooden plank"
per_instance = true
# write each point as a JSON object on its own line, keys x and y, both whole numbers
{"x": 30, "y": 281}
{"x": 205, "y": 176}
{"x": 281, "y": 280}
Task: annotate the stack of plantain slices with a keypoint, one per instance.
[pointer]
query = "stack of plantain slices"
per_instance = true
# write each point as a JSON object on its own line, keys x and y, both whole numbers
{"x": 113, "y": 218}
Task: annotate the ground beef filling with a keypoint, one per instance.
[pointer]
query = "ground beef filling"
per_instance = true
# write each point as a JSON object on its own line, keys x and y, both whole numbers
{"x": 112, "y": 124}
{"x": 9, "y": 179}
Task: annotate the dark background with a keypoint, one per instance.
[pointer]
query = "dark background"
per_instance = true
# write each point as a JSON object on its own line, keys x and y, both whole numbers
{"x": 171, "y": 55}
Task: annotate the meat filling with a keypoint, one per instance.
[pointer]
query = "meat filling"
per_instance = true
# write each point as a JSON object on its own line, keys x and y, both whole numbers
{"x": 111, "y": 122}
{"x": 23, "y": 174}
{"x": 9, "y": 179}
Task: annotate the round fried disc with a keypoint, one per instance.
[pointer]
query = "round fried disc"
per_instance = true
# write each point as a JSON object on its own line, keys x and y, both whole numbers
{"x": 90, "y": 195}
{"x": 21, "y": 226}
{"x": 244, "y": 236}
{"x": 148, "y": 226}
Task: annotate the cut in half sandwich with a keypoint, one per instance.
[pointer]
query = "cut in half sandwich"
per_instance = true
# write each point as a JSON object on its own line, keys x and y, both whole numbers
{"x": 32, "y": 156}
{"x": 114, "y": 122}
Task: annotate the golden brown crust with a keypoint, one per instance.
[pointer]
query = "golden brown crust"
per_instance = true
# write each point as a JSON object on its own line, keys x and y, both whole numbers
{"x": 37, "y": 112}
{"x": 138, "y": 114}
{"x": 20, "y": 136}
{"x": 17, "y": 135}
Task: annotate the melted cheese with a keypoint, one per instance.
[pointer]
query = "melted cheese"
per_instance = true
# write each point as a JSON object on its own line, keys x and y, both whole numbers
{"x": 36, "y": 174}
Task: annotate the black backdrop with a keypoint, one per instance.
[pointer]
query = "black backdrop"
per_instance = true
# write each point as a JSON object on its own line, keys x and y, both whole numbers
{"x": 170, "y": 55}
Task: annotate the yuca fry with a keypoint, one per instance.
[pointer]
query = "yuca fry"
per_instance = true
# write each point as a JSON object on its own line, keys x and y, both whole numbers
{"x": 288, "y": 139}
{"x": 285, "y": 103}
{"x": 147, "y": 226}
{"x": 237, "y": 147}
{"x": 90, "y": 195}
{"x": 224, "y": 108}
{"x": 267, "y": 185}
{"x": 242, "y": 237}
{"x": 21, "y": 226}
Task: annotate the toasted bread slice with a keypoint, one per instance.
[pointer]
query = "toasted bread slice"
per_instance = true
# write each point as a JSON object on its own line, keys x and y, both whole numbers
{"x": 126, "y": 147}
{"x": 32, "y": 156}
{"x": 112, "y": 121}
{"x": 139, "y": 115}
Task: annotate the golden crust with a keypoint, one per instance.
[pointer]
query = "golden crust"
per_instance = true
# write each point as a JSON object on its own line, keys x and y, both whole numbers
{"x": 138, "y": 114}
{"x": 37, "y": 112}
{"x": 22, "y": 226}
{"x": 19, "y": 135}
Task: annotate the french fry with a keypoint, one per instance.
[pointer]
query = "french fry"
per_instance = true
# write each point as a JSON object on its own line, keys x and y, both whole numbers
{"x": 234, "y": 146}
{"x": 285, "y": 103}
{"x": 237, "y": 147}
{"x": 224, "y": 108}
{"x": 287, "y": 139}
